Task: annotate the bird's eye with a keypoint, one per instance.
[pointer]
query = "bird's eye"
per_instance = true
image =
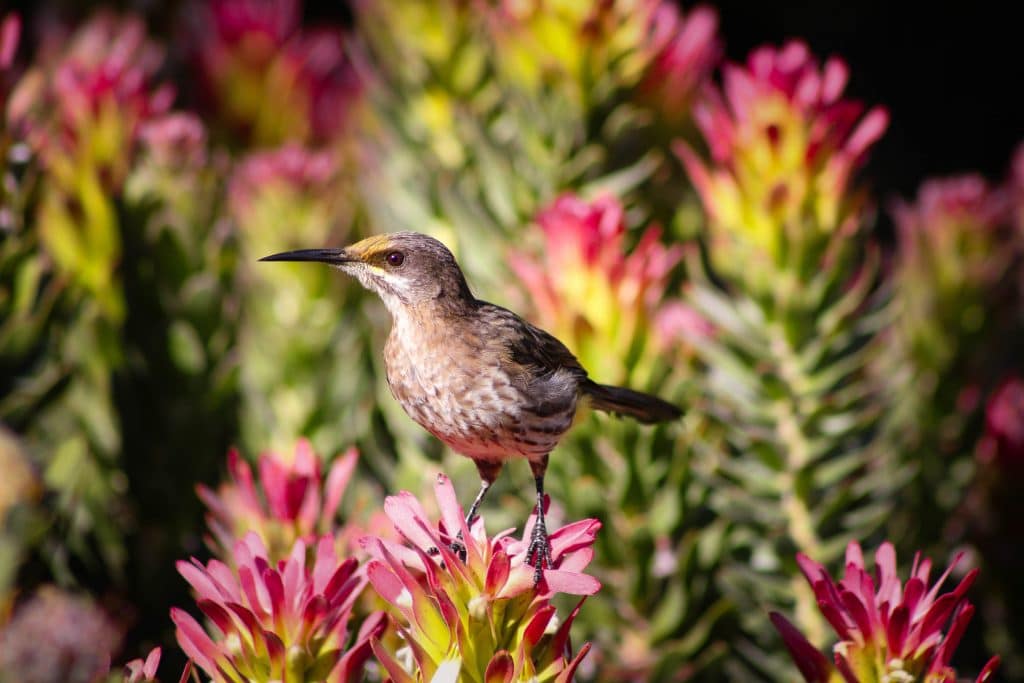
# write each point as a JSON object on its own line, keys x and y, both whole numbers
{"x": 395, "y": 258}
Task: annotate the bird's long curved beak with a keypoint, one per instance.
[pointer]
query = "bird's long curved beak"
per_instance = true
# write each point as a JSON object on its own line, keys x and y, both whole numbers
{"x": 331, "y": 256}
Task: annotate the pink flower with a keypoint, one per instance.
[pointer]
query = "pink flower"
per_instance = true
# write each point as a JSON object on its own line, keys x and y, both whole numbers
{"x": 285, "y": 621}
{"x": 685, "y": 50}
{"x": 91, "y": 99}
{"x": 784, "y": 145}
{"x": 886, "y": 629}
{"x": 1003, "y": 441}
{"x": 290, "y": 501}
{"x": 475, "y": 608}
{"x": 949, "y": 231}
{"x": 586, "y": 289}
{"x": 267, "y": 77}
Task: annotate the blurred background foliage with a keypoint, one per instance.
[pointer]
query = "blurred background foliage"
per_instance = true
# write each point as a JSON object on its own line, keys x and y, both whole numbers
{"x": 690, "y": 225}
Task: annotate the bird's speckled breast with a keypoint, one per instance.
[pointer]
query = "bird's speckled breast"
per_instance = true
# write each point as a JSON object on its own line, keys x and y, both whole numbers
{"x": 458, "y": 385}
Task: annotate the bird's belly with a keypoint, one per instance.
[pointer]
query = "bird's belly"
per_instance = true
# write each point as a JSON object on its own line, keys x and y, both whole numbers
{"x": 476, "y": 411}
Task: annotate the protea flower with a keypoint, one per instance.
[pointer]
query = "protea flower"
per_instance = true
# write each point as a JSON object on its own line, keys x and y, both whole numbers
{"x": 86, "y": 104}
{"x": 784, "y": 145}
{"x": 290, "y": 501}
{"x": 284, "y": 621}
{"x": 685, "y": 49}
{"x": 268, "y": 78}
{"x": 887, "y": 631}
{"x": 948, "y": 262}
{"x": 587, "y": 290}
{"x": 465, "y": 604}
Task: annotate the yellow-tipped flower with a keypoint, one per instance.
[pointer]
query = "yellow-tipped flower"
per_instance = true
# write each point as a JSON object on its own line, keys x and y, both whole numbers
{"x": 588, "y": 291}
{"x": 784, "y": 146}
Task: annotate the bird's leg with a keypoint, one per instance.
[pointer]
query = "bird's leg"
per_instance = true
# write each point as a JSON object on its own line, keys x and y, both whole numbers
{"x": 539, "y": 552}
{"x": 489, "y": 471}
{"x": 484, "y": 486}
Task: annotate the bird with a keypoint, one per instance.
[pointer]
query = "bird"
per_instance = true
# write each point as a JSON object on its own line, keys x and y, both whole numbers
{"x": 480, "y": 378}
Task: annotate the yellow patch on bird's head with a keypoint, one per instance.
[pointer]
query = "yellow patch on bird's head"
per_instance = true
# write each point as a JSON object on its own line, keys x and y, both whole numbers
{"x": 372, "y": 251}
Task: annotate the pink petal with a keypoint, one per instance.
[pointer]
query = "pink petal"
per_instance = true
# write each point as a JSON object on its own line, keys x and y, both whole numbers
{"x": 152, "y": 663}
{"x": 193, "y": 640}
{"x": 384, "y": 581}
{"x": 571, "y": 583}
{"x": 337, "y": 482}
{"x": 497, "y": 573}
{"x": 451, "y": 511}
{"x": 500, "y": 669}
{"x": 989, "y": 669}
{"x": 394, "y": 669}
{"x": 538, "y": 624}
{"x": 896, "y": 632}
{"x": 858, "y": 612}
{"x": 956, "y": 631}
{"x": 566, "y": 676}
{"x": 218, "y": 615}
{"x": 812, "y": 664}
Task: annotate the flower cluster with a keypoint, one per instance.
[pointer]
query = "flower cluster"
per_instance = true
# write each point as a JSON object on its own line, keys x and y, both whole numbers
{"x": 290, "y": 501}
{"x": 784, "y": 145}
{"x": 466, "y": 604}
{"x": 887, "y": 631}
{"x": 268, "y": 78}
{"x": 587, "y": 290}
{"x": 284, "y": 621}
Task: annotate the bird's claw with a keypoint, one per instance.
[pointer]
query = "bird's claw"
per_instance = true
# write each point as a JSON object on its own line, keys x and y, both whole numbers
{"x": 538, "y": 553}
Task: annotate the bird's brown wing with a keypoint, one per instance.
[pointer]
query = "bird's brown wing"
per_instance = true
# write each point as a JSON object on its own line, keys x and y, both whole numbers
{"x": 536, "y": 351}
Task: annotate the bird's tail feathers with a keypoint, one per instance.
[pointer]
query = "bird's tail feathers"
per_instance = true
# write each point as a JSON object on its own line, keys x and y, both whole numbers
{"x": 622, "y": 401}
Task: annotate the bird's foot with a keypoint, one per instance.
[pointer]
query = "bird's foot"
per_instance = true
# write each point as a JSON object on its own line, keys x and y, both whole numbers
{"x": 458, "y": 547}
{"x": 538, "y": 553}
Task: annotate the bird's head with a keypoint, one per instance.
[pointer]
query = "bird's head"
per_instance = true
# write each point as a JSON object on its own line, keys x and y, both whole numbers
{"x": 404, "y": 268}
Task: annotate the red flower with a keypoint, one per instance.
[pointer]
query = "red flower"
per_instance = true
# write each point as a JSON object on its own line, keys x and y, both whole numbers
{"x": 588, "y": 290}
{"x": 289, "y": 501}
{"x": 284, "y": 621}
{"x": 885, "y": 628}
{"x": 784, "y": 145}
